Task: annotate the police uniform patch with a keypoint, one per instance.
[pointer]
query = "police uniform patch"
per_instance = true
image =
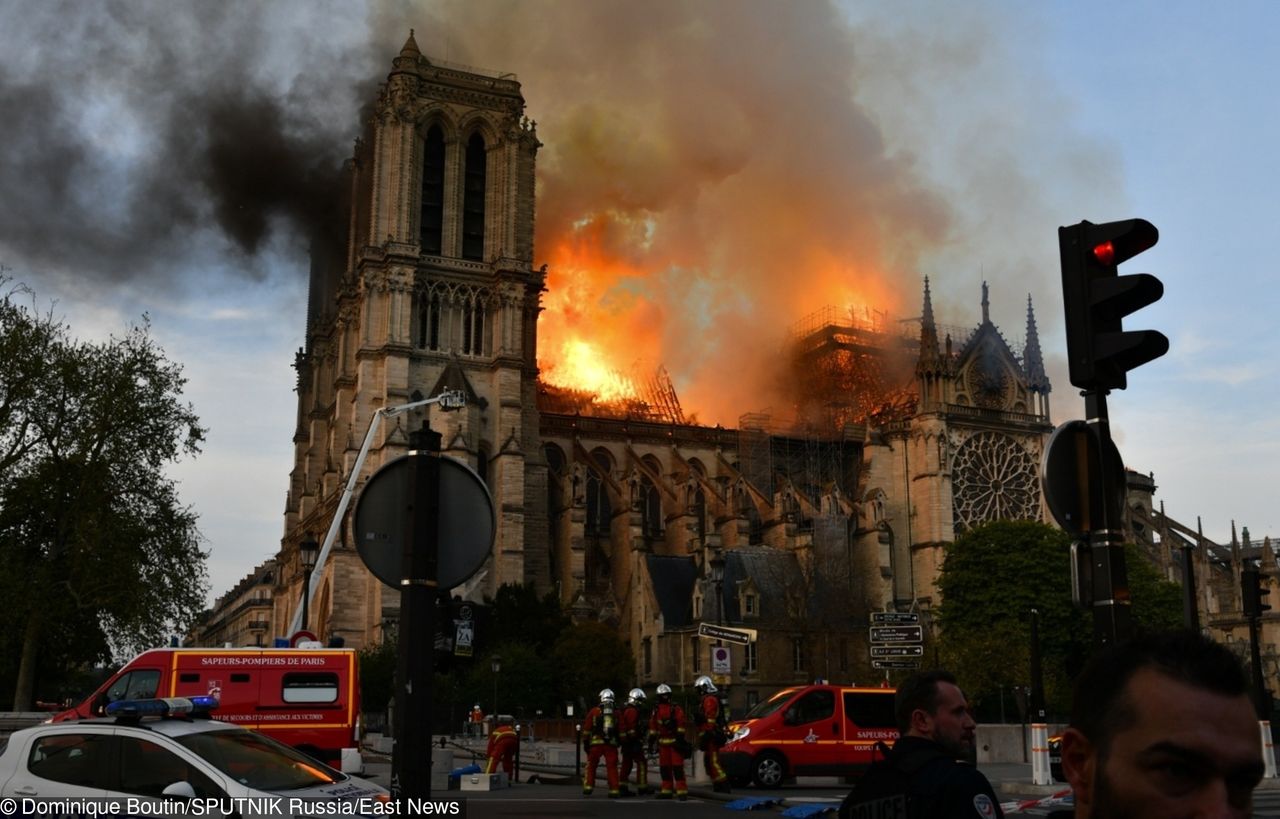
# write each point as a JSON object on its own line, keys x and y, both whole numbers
{"x": 984, "y": 806}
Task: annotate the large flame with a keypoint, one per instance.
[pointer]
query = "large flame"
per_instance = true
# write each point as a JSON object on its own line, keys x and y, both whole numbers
{"x": 696, "y": 198}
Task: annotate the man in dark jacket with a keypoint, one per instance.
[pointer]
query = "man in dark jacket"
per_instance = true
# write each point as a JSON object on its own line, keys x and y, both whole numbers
{"x": 924, "y": 776}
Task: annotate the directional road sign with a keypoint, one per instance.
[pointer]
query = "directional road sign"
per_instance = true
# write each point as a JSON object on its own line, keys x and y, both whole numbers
{"x": 895, "y": 663}
{"x": 730, "y": 635}
{"x": 894, "y": 618}
{"x": 909, "y": 650}
{"x": 897, "y": 634}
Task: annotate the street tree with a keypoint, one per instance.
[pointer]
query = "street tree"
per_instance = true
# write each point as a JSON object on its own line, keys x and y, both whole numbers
{"x": 588, "y": 657}
{"x": 991, "y": 579}
{"x": 97, "y": 553}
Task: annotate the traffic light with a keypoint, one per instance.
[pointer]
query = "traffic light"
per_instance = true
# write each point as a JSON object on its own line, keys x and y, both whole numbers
{"x": 1252, "y": 591}
{"x": 1097, "y": 298}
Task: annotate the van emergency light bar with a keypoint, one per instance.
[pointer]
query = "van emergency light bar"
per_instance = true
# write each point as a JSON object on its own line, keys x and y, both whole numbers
{"x": 162, "y": 707}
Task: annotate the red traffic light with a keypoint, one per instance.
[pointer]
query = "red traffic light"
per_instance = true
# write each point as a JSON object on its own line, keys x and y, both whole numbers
{"x": 1105, "y": 253}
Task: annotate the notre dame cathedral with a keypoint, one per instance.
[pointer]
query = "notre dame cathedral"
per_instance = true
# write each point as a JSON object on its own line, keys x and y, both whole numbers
{"x": 789, "y": 529}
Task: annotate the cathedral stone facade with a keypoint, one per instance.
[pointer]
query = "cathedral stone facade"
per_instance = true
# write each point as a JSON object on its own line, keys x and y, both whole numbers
{"x": 787, "y": 529}
{"x": 790, "y": 530}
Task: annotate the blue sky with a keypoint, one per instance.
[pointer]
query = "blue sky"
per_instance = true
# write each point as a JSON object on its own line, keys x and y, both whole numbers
{"x": 1015, "y": 117}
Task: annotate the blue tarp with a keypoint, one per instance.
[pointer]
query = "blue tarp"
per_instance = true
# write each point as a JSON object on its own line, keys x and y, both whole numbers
{"x": 752, "y": 803}
{"x": 805, "y": 811}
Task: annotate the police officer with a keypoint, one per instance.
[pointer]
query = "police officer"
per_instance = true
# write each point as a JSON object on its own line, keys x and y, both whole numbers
{"x": 600, "y": 740}
{"x": 923, "y": 776}
{"x": 634, "y": 727}
{"x": 713, "y": 729}
{"x": 666, "y": 732}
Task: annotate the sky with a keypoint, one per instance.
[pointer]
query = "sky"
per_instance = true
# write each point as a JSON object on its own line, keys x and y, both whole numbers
{"x": 711, "y": 172}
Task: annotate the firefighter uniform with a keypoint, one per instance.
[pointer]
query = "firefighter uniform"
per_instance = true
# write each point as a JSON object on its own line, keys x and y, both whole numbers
{"x": 713, "y": 727}
{"x": 502, "y": 748}
{"x": 666, "y": 730}
{"x": 600, "y": 740}
{"x": 634, "y": 729}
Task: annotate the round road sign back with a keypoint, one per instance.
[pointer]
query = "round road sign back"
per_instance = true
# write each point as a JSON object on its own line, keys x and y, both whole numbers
{"x": 1072, "y": 476}
{"x": 466, "y": 526}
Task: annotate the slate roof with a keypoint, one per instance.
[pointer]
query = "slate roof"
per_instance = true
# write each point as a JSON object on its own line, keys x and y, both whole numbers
{"x": 770, "y": 569}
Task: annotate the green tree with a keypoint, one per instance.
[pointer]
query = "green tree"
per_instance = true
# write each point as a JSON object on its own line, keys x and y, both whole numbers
{"x": 588, "y": 657}
{"x": 994, "y": 575}
{"x": 378, "y": 672}
{"x": 97, "y": 553}
{"x": 518, "y": 615}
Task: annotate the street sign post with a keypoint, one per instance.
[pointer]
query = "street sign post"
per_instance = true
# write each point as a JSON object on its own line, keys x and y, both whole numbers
{"x": 908, "y": 650}
{"x": 897, "y": 634}
{"x": 895, "y": 618}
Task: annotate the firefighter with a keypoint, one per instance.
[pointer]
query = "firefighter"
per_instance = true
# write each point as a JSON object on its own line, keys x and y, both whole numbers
{"x": 666, "y": 731}
{"x": 475, "y": 724}
{"x": 600, "y": 741}
{"x": 502, "y": 747}
{"x": 634, "y": 728}
{"x": 713, "y": 730}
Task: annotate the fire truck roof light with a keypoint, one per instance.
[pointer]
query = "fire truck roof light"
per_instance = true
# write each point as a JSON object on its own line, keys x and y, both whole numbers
{"x": 162, "y": 707}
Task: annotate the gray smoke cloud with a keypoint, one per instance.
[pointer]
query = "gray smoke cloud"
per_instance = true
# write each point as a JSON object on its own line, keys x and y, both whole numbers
{"x": 150, "y": 141}
{"x": 712, "y": 170}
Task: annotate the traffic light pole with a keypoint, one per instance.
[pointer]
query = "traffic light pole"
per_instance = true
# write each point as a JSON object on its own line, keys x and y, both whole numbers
{"x": 1112, "y": 611}
{"x": 1262, "y": 697}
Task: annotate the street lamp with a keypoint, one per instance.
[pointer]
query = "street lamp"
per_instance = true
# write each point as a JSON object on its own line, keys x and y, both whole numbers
{"x": 308, "y": 550}
{"x": 715, "y": 573}
{"x": 495, "y": 663}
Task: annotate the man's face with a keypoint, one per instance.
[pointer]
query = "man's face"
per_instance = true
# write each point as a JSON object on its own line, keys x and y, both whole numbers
{"x": 1190, "y": 753}
{"x": 951, "y": 726}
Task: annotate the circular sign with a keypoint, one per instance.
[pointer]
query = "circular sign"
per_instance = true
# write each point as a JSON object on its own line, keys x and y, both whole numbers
{"x": 300, "y": 637}
{"x": 1073, "y": 478}
{"x": 465, "y": 527}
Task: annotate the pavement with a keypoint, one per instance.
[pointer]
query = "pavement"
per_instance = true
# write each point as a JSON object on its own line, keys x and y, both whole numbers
{"x": 1012, "y": 781}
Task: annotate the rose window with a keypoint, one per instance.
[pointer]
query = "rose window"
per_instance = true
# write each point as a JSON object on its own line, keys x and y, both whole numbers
{"x": 993, "y": 477}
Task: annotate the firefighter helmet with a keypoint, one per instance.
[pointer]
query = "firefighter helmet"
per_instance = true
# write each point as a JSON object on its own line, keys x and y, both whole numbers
{"x": 704, "y": 685}
{"x": 606, "y": 695}
{"x": 635, "y": 696}
{"x": 664, "y": 691}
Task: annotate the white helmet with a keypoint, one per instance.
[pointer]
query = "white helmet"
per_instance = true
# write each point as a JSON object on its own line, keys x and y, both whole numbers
{"x": 606, "y": 695}
{"x": 635, "y": 696}
{"x": 664, "y": 690}
{"x": 704, "y": 685}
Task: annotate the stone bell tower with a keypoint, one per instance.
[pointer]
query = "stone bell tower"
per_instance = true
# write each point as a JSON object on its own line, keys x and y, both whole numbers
{"x": 434, "y": 287}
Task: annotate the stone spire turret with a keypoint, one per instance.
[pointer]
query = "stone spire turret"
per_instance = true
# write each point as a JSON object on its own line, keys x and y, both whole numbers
{"x": 931, "y": 367}
{"x": 986, "y": 305}
{"x": 929, "y": 352}
{"x": 1033, "y": 358}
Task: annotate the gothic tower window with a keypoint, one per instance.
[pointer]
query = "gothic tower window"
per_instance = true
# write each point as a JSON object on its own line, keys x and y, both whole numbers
{"x": 429, "y": 322}
{"x": 599, "y": 508}
{"x": 650, "y": 501}
{"x": 433, "y": 193}
{"x": 473, "y": 200}
{"x": 473, "y": 315}
{"x": 700, "y": 515}
{"x": 651, "y": 509}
